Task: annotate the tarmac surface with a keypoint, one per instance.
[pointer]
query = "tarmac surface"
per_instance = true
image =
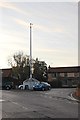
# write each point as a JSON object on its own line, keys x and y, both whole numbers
{"x": 56, "y": 103}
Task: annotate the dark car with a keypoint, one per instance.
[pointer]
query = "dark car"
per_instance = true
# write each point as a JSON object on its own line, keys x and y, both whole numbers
{"x": 42, "y": 86}
{"x": 7, "y": 85}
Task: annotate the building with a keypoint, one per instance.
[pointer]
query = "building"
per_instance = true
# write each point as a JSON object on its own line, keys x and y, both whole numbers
{"x": 6, "y": 75}
{"x": 57, "y": 76}
{"x": 68, "y": 76}
{"x": 7, "y": 78}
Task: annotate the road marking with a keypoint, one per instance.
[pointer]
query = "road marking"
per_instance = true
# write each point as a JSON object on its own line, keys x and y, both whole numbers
{"x": 1, "y": 100}
{"x": 50, "y": 96}
{"x": 72, "y": 98}
{"x": 76, "y": 103}
{"x": 24, "y": 108}
{"x": 20, "y": 105}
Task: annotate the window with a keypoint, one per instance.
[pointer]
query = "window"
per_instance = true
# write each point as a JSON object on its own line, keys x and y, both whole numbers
{"x": 65, "y": 74}
{"x": 76, "y": 74}
{"x": 54, "y": 75}
{"x": 57, "y": 74}
{"x": 70, "y": 74}
{"x": 61, "y": 74}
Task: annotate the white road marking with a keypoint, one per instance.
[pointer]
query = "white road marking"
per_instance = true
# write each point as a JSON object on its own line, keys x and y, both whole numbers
{"x": 72, "y": 98}
{"x": 20, "y": 105}
{"x": 50, "y": 96}
{"x": 1, "y": 100}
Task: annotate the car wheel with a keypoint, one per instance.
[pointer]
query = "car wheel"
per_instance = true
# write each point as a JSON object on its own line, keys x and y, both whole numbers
{"x": 7, "y": 88}
{"x": 27, "y": 87}
{"x": 21, "y": 88}
{"x": 43, "y": 89}
{"x": 49, "y": 88}
{"x": 33, "y": 88}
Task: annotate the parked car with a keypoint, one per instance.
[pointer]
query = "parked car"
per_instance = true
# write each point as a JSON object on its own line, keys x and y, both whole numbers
{"x": 20, "y": 87}
{"x": 7, "y": 85}
{"x": 28, "y": 84}
{"x": 42, "y": 86}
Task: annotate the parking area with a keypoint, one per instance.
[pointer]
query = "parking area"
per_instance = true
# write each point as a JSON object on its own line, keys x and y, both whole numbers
{"x": 38, "y": 104}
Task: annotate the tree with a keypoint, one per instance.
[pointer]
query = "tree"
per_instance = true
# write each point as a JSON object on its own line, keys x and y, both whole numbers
{"x": 40, "y": 70}
{"x": 20, "y": 66}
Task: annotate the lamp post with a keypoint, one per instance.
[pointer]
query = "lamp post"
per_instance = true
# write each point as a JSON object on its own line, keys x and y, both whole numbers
{"x": 31, "y": 50}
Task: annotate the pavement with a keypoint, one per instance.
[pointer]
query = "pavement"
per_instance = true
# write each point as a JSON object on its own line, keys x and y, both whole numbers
{"x": 74, "y": 97}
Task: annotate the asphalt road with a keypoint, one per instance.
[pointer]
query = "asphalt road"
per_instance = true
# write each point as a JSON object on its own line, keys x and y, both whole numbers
{"x": 38, "y": 104}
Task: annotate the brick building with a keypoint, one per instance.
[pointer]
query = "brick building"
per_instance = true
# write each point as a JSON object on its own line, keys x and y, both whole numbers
{"x": 8, "y": 78}
{"x": 69, "y": 76}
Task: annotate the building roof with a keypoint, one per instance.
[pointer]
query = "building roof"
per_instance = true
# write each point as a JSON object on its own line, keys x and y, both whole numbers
{"x": 6, "y": 72}
{"x": 64, "y": 69}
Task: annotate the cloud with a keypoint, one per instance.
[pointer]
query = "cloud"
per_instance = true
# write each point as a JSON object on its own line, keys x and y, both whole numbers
{"x": 39, "y": 26}
{"x": 49, "y": 50}
{"x": 11, "y": 6}
{"x": 21, "y": 22}
{"x": 7, "y": 5}
{"x": 57, "y": 29}
{"x": 48, "y": 29}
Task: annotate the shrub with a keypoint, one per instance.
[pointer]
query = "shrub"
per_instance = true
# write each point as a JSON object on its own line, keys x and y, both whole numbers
{"x": 78, "y": 85}
{"x": 56, "y": 84}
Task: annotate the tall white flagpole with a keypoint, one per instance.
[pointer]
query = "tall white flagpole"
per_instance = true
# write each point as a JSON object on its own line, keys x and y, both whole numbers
{"x": 31, "y": 50}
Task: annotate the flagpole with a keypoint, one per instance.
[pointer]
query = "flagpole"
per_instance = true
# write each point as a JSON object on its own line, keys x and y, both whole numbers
{"x": 31, "y": 50}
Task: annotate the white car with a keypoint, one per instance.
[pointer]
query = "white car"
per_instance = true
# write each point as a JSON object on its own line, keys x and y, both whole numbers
{"x": 28, "y": 84}
{"x": 23, "y": 87}
{"x": 20, "y": 87}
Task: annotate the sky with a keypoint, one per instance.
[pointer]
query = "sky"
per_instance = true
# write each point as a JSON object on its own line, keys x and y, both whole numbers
{"x": 54, "y": 31}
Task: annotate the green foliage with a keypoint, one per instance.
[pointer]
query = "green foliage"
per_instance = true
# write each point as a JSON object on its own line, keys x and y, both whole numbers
{"x": 40, "y": 70}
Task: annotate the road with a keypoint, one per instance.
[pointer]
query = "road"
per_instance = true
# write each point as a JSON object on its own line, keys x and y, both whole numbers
{"x": 38, "y": 104}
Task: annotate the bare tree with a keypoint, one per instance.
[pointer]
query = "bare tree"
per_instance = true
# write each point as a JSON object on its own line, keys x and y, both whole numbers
{"x": 20, "y": 65}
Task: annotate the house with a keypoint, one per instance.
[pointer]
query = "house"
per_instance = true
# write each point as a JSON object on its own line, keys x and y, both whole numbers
{"x": 68, "y": 76}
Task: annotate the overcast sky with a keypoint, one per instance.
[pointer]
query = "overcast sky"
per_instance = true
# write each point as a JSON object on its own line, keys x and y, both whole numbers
{"x": 54, "y": 31}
